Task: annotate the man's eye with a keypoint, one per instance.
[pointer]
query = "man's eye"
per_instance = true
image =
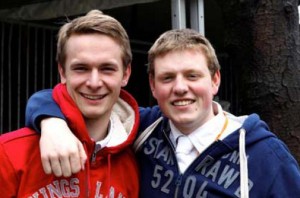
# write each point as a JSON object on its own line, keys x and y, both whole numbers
{"x": 193, "y": 76}
{"x": 166, "y": 78}
{"x": 108, "y": 69}
{"x": 80, "y": 69}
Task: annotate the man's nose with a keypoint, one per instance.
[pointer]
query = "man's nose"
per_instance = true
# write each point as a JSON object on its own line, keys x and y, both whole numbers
{"x": 180, "y": 86}
{"x": 94, "y": 80}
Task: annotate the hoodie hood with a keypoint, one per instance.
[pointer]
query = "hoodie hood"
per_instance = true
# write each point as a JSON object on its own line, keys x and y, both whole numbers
{"x": 125, "y": 115}
{"x": 255, "y": 130}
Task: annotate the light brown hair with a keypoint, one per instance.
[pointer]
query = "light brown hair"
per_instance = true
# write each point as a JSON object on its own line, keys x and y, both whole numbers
{"x": 94, "y": 22}
{"x": 182, "y": 39}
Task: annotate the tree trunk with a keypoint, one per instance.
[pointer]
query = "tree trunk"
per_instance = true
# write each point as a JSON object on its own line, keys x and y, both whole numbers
{"x": 263, "y": 41}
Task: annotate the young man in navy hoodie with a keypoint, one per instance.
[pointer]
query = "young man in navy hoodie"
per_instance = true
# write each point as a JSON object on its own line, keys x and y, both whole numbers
{"x": 188, "y": 146}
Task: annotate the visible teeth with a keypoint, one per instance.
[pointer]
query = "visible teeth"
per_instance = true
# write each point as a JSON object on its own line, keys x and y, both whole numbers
{"x": 183, "y": 102}
{"x": 91, "y": 97}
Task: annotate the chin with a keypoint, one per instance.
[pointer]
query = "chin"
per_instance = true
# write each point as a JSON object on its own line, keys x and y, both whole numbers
{"x": 182, "y": 120}
{"x": 93, "y": 115}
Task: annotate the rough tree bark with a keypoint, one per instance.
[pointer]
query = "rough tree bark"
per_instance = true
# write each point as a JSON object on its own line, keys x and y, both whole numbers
{"x": 262, "y": 38}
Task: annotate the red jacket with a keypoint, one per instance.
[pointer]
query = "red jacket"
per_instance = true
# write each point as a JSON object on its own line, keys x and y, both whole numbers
{"x": 112, "y": 172}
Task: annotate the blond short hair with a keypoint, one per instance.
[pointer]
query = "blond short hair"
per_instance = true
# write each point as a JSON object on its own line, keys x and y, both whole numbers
{"x": 94, "y": 22}
{"x": 179, "y": 40}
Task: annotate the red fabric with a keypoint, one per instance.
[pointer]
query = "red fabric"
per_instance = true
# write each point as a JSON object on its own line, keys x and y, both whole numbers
{"x": 114, "y": 171}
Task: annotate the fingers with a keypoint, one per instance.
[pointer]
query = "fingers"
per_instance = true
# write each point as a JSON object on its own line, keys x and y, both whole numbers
{"x": 52, "y": 165}
{"x": 56, "y": 167}
{"x": 65, "y": 163}
{"x": 75, "y": 163}
{"x": 60, "y": 165}
{"x": 65, "y": 167}
{"x": 78, "y": 159}
{"x": 83, "y": 156}
{"x": 62, "y": 153}
{"x": 46, "y": 165}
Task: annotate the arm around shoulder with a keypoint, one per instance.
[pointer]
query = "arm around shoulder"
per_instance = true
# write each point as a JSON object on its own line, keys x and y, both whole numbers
{"x": 41, "y": 105}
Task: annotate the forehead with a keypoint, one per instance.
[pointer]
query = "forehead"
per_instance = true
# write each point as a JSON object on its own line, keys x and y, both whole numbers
{"x": 92, "y": 46}
{"x": 179, "y": 60}
{"x": 91, "y": 40}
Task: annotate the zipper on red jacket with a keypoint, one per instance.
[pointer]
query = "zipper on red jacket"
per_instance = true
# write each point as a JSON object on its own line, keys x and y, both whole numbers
{"x": 94, "y": 156}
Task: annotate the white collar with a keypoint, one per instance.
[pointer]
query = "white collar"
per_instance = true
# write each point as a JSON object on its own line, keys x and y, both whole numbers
{"x": 206, "y": 134}
{"x": 116, "y": 133}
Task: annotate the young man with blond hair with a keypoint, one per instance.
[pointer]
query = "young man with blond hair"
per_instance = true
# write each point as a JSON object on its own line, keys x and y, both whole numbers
{"x": 94, "y": 62}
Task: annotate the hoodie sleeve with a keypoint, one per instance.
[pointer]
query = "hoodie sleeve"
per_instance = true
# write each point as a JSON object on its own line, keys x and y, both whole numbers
{"x": 41, "y": 105}
{"x": 148, "y": 115}
{"x": 287, "y": 182}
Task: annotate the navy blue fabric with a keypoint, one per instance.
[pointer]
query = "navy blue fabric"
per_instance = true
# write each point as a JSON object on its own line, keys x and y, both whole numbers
{"x": 41, "y": 105}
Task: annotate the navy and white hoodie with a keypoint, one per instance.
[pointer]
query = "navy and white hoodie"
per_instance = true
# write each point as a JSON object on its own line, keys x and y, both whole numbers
{"x": 264, "y": 162}
{"x": 250, "y": 155}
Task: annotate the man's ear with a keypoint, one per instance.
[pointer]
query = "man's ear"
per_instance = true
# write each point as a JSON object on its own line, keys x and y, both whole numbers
{"x": 216, "y": 80}
{"x": 62, "y": 74}
{"x": 126, "y": 75}
{"x": 152, "y": 85}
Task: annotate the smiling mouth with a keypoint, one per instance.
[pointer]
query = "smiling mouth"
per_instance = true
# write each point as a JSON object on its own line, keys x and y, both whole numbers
{"x": 182, "y": 102}
{"x": 93, "y": 97}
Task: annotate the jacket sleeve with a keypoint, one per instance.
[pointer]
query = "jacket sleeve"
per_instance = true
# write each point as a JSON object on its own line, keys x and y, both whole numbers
{"x": 148, "y": 115}
{"x": 41, "y": 105}
{"x": 287, "y": 180}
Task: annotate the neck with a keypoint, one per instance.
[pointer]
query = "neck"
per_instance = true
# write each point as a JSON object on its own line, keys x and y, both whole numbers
{"x": 188, "y": 128}
{"x": 97, "y": 129}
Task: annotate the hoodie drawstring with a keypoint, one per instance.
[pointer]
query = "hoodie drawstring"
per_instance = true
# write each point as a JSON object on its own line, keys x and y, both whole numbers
{"x": 243, "y": 165}
{"x": 109, "y": 173}
{"x": 87, "y": 174}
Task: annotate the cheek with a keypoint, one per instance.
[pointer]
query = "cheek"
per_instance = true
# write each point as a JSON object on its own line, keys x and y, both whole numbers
{"x": 114, "y": 84}
{"x": 201, "y": 90}
{"x": 205, "y": 92}
{"x": 75, "y": 81}
{"x": 161, "y": 92}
